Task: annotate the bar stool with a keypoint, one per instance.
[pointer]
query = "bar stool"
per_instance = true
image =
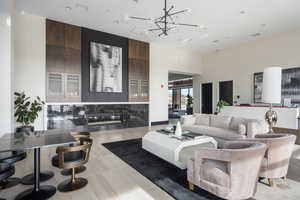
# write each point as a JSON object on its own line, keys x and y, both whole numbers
{"x": 6, "y": 171}
{"x": 10, "y": 158}
{"x": 70, "y": 158}
{"x": 80, "y": 169}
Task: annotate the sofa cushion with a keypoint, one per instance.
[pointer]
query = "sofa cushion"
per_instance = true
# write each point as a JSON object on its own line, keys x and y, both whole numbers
{"x": 202, "y": 119}
{"x": 188, "y": 120}
{"x": 220, "y": 121}
{"x": 226, "y": 134}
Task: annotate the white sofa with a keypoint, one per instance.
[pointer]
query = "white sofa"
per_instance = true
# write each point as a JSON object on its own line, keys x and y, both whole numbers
{"x": 223, "y": 127}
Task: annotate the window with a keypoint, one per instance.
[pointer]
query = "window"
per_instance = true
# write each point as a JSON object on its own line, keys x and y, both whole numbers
{"x": 170, "y": 98}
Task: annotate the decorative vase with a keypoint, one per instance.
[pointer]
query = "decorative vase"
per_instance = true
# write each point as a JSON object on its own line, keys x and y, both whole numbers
{"x": 178, "y": 131}
{"x": 25, "y": 129}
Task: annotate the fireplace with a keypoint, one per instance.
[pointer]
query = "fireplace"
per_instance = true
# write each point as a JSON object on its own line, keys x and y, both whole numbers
{"x": 94, "y": 117}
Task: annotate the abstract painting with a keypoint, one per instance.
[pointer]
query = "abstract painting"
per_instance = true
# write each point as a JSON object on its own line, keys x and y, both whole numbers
{"x": 105, "y": 68}
{"x": 290, "y": 86}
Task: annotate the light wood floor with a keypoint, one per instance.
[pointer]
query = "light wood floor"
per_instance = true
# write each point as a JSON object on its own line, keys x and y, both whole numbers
{"x": 111, "y": 179}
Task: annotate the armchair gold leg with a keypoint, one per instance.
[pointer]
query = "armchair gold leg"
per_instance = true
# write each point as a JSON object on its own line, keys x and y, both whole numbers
{"x": 191, "y": 186}
{"x": 271, "y": 182}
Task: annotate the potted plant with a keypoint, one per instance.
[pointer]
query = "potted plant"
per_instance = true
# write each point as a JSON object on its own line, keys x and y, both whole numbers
{"x": 26, "y": 111}
{"x": 220, "y": 106}
{"x": 189, "y": 107}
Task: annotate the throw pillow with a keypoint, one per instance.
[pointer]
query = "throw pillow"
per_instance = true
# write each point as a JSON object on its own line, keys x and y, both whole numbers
{"x": 220, "y": 121}
{"x": 202, "y": 120}
{"x": 242, "y": 129}
{"x": 236, "y": 121}
{"x": 188, "y": 120}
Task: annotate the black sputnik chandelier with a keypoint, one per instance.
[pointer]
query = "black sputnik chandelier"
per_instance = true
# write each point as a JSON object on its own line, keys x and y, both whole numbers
{"x": 166, "y": 22}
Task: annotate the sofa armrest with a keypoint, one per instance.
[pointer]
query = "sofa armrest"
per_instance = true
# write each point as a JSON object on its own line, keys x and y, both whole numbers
{"x": 255, "y": 128}
{"x": 188, "y": 119}
{"x": 212, "y": 154}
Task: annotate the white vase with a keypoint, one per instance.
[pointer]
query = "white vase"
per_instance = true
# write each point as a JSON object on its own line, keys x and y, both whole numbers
{"x": 178, "y": 131}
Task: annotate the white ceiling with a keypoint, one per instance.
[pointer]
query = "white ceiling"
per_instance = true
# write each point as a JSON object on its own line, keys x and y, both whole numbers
{"x": 227, "y": 22}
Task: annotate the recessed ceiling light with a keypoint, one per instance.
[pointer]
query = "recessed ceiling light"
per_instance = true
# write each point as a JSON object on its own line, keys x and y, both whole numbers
{"x": 186, "y": 40}
{"x": 117, "y": 21}
{"x": 215, "y": 41}
{"x": 242, "y": 12}
{"x": 22, "y": 12}
{"x": 255, "y": 34}
{"x": 68, "y": 8}
{"x": 263, "y": 25}
{"x": 82, "y": 7}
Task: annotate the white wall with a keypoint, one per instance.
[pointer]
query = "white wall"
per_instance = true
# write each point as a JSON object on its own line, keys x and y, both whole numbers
{"x": 6, "y": 63}
{"x": 240, "y": 62}
{"x": 30, "y": 58}
{"x": 162, "y": 60}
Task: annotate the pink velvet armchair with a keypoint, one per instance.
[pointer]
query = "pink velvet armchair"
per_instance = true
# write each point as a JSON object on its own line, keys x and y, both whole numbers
{"x": 279, "y": 150}
{"x": 230, "y": 172}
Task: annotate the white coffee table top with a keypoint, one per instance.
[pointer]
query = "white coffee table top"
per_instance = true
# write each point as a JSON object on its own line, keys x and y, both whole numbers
{"x": 168, "y": 148}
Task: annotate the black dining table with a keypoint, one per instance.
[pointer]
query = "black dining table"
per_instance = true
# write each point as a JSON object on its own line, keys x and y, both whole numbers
{"x": 35, "y": 140}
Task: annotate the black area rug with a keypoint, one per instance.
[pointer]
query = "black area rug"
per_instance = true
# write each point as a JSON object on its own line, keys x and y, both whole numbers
{"x": 163, "y": 174}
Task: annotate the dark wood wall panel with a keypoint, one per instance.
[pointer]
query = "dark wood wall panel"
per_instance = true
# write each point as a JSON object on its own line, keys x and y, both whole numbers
{"x": 63, "y": 59}
{"x": 138, "y": 70}
{"x": 73, "y": 37}
{"x": 55, "y": 33}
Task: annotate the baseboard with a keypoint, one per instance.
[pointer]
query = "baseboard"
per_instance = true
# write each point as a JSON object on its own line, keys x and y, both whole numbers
{"x": 159, "y": 123}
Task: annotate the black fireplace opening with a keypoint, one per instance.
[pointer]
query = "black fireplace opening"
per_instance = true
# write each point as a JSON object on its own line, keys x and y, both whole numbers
{"x": 96, "y": 117}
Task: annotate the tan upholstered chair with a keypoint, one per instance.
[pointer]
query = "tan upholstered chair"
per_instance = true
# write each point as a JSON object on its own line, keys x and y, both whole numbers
{"x": 70, "y": 158}
{"x": 230, "y": 172}
{"x": 279, "y": 150}
{"x": 82, "y": 168}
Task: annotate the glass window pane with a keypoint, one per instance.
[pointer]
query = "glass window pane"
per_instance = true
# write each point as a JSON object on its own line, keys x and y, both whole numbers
{"x": 184, "y": 93}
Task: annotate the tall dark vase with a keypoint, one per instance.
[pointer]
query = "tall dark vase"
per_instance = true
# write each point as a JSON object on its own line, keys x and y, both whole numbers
{"x": 189, "y": 110}
{"x": 25, "y": 129}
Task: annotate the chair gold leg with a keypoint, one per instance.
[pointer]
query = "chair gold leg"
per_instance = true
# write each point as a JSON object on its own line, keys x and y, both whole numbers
{"x": 191, "y": 186}
{"x": 73, "y": 176}
{"x": 284, "y": 178}
{"x": 271, "y": 182}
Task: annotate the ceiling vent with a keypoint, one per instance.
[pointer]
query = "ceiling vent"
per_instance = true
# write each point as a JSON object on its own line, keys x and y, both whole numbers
{"x": 82, "y": 7}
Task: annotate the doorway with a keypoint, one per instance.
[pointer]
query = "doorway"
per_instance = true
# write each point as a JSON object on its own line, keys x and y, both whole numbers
{"x": 180, "y": 95}
{"x": 226, "y": 91}
{"x": 207, "y": 98}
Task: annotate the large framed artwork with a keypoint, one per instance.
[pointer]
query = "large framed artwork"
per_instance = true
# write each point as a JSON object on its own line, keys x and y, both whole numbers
{"x": 290, "y": 85}
{"x": 104, "y": 67}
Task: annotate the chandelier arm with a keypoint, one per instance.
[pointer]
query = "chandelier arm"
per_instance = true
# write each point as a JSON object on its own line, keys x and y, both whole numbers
{"x": 168, "y": 11}
{"x": 172, "y": 20}
{"x": 154, "y": 29}
{"x": 140, "y": 18}
{"x": 180, "y": 24}
{"x": 178, "y": 12}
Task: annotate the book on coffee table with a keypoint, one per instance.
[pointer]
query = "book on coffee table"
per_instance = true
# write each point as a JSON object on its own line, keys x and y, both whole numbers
{"x": 192, "y": 135}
